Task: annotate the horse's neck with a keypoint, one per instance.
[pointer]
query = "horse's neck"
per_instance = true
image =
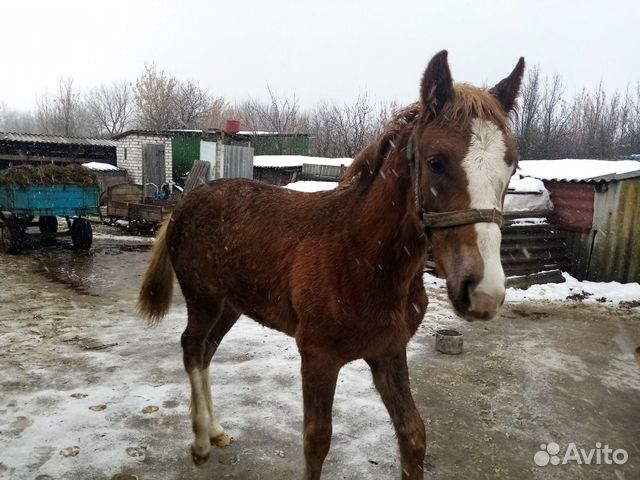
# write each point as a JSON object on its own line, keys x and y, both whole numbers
{"x": 389, "y": 229}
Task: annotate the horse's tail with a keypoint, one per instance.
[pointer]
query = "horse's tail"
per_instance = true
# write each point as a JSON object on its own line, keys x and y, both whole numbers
{"x": 157, "y": 287}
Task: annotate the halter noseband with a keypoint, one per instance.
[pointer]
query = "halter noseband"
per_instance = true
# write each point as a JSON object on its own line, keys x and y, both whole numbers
{"x": 445, "y": 219}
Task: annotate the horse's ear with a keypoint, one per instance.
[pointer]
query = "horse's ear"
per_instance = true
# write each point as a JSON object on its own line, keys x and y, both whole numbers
{"x": 507, "y": 90}
{"x": 436, "y": 88}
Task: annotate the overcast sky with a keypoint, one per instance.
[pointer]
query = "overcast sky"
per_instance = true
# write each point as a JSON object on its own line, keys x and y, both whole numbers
{"x": 316, "y": 50}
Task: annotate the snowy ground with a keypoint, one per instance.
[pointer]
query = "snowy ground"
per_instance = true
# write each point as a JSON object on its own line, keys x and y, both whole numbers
{"x": 87, "y": 392}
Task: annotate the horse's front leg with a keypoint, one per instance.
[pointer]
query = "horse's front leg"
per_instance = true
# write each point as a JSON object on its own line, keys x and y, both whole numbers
{"x": 319, "y": 376}
{"x": 391, "y": 378}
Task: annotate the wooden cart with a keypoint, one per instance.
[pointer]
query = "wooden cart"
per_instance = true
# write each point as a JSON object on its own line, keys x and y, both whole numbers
{"x": 144, "y": 215}
{"x": 20, "y": 205}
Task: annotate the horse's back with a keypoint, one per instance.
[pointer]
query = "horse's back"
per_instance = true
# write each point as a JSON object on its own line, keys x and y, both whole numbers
{"x": 236, "y": 239}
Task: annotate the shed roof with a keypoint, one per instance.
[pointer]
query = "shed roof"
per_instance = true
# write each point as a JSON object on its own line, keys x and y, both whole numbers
{"x": 580, "y": 170}
{"x": 147, "y": 133}
{"x": 37, "y": 138}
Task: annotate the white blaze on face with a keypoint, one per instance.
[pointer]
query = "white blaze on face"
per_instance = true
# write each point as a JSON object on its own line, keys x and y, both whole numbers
{"x": 488, "y": 175}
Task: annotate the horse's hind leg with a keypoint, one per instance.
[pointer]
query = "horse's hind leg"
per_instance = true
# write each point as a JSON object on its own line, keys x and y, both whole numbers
{"x": 319, "y": 376}
{"x": 202, "y": 317}
{"x": 391, "y": 378}
{"x": 223, "y": 325}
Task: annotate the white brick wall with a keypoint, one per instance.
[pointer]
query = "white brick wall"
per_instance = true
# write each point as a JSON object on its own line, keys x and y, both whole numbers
{"x": 134, "y": 144}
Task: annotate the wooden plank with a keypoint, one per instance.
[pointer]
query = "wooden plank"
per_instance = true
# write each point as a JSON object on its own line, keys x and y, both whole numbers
{"x": 160, "y": 203}
{"x": 197, "y": 176}
{"x": 118, "y": 209}
{"x": 125, "y": 192}
{"x": 510, "y": 270}
{"x": 153, "y": 165}
{"x": 524, "y": 282}
{"x": 322, "y": 172}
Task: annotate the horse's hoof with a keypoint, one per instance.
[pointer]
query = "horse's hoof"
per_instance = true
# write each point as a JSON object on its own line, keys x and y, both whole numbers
{"x": 199, "y": 460}
{"x": 222, "y": 440}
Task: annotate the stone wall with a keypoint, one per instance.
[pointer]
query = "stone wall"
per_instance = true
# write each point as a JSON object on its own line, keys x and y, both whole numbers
{"x": 134, "y": 145}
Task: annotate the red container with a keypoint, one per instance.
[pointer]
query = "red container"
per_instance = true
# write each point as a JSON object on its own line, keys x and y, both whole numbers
{"x": 233, "y": 127}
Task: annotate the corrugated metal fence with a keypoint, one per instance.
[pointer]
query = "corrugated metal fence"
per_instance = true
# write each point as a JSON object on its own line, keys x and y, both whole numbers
{"x": 600, "y": 223}
{"x": 237, "y": 162}
{"x": 531, "y": 244}
{"x": 610, "y": 250}
{"x": 322, "y": 172}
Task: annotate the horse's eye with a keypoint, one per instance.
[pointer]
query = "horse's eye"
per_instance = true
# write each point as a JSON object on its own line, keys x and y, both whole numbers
{"x": 437, "y": 164}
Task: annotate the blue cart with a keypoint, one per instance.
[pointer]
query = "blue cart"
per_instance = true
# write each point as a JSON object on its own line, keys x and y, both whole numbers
{"x": 19, "y": 206}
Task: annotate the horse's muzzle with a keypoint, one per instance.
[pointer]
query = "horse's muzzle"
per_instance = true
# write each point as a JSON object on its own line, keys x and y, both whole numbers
{"x": 484, "y": 306}
{"x": 472, "y": 304}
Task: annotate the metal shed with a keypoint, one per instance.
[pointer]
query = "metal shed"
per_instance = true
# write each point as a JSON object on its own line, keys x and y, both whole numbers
{"x": 597, "y": 209}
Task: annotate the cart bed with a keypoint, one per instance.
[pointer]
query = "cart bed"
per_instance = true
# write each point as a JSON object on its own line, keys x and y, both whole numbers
{"x": 50, "y": 200}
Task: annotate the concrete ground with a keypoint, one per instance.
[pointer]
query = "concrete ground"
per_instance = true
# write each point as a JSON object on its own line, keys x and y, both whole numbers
{"x": 88, "y": 392}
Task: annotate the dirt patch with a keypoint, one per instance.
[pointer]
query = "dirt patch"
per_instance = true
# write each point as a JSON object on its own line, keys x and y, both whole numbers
{"x": 540, "y": 373}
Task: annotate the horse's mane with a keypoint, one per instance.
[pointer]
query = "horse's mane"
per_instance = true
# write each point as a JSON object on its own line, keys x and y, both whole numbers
{"x": 468, "y": 102}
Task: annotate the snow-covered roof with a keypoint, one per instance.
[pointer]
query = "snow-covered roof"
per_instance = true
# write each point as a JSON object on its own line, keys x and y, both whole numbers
{"x": 276, "y": 134}
{"x": 255, "y": 132}
{"x": 311, "y": 186}
{"x": 526, "y": 194}
{"x": 100, "y": 167}
{"x": 519, "y": 184}
{"x": 580, "y": 170}
{"x": 274, "y": 161}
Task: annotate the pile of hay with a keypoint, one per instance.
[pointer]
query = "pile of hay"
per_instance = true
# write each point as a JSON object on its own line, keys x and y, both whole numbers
{"x": 49, "y": 174}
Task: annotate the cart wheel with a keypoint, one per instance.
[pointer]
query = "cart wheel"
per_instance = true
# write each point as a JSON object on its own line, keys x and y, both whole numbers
{"x": 134, "y": 227}
{"x": 48, "y": 224}
{"x": 12, "y": 237}
{"x": 81, "y": 234}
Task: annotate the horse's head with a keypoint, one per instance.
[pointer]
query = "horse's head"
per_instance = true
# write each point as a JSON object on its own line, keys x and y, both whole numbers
{"x": 464, "y": 158}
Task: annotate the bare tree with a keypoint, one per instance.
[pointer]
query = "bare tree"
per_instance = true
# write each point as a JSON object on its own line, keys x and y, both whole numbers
{"x": 218, "y": 112}
{"x": 553, "y": 117}
{"x": 630, "y": 123}
{"x": 17, "y": 121}
{"x": 45, "y": 114}
{"x": 342, "y": 131}
{"x": 190, "y": 105}
{"x": 67, "y": 105}
{"x": 278, "y": 114}
{"x": 526, "y": 121}
{"x": 111, "y": 107}
{"x": 155, "y": 93}
{"x": 61, "y": 113}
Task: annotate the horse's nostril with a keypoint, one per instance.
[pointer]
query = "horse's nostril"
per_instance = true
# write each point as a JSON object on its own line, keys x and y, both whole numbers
{"x": 469, "y": 284}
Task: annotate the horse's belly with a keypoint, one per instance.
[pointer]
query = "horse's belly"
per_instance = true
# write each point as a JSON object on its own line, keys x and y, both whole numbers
{"x": 273, "y": 313}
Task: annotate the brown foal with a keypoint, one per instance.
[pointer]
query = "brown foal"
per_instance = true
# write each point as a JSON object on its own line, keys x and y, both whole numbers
{"x": 341, "y": 271}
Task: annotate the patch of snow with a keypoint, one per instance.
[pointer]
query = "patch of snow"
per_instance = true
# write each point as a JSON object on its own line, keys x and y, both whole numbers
{"x": 311, "y": 186}
{"x": 576, "y": 169}
{"x": 123, "y": 238}
{"x": 100, "y": 167}
{"x": 595, "y": 293}
{"x": 522, "y": 184}
{"x": 297, "y": 161}
{"x": 530, "y": 221}
{"x": 256, "y": 132}
{"x": 526, "y": 195}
